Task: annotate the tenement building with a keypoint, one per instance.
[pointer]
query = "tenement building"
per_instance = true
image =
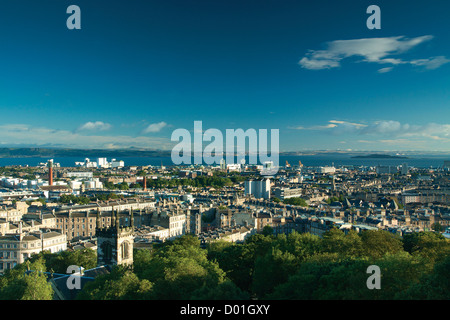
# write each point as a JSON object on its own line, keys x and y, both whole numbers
{"x": 16, "y": 248}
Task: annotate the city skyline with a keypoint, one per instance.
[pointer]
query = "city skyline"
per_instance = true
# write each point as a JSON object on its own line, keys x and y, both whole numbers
{"x": 137, "y": 71}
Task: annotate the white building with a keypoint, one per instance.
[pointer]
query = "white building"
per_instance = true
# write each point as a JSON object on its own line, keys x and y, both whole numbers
{"x": 17, "y": 248}
{"x": 82, "y": 175}
{"x": 234, "y": 167}
{"x": 177, "y": 225}
{"x": 75, "y": 184}
{"x": 87, "y": 163}
{"x": 103, "y": 163}
{"x": 117, "y": 163}
{"x": 187, "y": 197}
{"x": 223, "y": 164}
{"x": 258, "y": 188}
{"x": 404, "y": 169}
{"x": 327, "y": 169}
{"x": 386, "y": 169}
{"x": 151, "y": 233}
{"x": 93, "y": 184}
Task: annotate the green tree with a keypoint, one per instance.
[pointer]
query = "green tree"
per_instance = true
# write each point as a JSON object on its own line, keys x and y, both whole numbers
{"x": 296, "y": 202}
{"x": 120, "y": 284}
{"x": 303, "y": 284}
{"x": 123, "y": 186}
{"x": 437, "y": 227}
{"x": 301, "y": 245}
{"x": 432, "y": 286}
{"x": 26, "y": 282}
{"x": 224, "y": 291}
{"x": 430, "y": 245}
{"x": 267, "y": 231}
{"x": 59, "y": 262}
{"x": 336, "y": 241}
{"x": 109, "y": 185}
{"x": 399, "y": 271}
{"x": 179, "y": 268}
{"x": 377, "y": 243}
{"x": 271, "y": 270}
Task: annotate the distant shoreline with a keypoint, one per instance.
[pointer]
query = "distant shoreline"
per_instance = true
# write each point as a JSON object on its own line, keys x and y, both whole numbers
{"x": 49, "y": 153}
{"x": 379, "y": 156}
{"x": 82, "y": 153}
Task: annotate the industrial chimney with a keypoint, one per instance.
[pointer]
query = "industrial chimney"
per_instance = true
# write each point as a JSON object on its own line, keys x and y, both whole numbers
{"x": 50, "y": 172}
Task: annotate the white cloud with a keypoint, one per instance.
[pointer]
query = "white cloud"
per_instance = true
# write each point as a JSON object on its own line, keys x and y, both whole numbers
{"x": 386, "y": 128}
{"x": 359, "y": 125}
{"x": 431, "y": 63}
{"x": 385, "y": 70}
{"x": 94, "y": 126}
{"x": 20, "y": 134}
{"x": 155, "y": 127}
{"x": 373, "y": 50}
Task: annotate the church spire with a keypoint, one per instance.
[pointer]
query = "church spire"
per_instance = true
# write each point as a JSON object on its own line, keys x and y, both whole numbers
{"x": 131, "y": 218}
{"x": 97, "y": 221}
{"x": 117, "y": 220}
{"x": 113, "y": 218}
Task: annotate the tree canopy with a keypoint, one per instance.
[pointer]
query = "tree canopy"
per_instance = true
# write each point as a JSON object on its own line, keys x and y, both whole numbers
{"x": 264, "y": 266}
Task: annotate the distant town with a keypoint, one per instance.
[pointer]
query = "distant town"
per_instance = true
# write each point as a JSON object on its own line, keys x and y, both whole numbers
{"x": 49, "y": 208}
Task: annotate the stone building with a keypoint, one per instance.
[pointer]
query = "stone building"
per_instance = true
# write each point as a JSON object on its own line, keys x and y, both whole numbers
{"x": 16, "y": 248}
{"x": 115, "y": 242}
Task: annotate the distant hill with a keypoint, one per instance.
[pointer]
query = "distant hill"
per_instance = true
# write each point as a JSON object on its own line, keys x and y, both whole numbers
{"x": 66, "y": 152}
{"x": 379, "y": 156}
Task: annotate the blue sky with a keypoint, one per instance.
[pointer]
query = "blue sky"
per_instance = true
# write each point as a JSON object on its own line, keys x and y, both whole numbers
{"x": 137, "y": 70}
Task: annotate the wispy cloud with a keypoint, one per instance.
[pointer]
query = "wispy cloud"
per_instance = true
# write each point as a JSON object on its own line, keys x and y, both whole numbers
{"x": 432, "y": 63}
{"x": 386, "y": 128}
{"x": 155, "y": 127}
{"x": 21, "y": 134}
{"x": 385, "y": 70}
{"x": 94, "y": 126}
{"x": 335, "y": 126}
{"x": 371, "y": 50}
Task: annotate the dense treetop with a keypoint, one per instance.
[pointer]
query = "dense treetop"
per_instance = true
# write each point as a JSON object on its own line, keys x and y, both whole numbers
{"x": 265, "y": 266}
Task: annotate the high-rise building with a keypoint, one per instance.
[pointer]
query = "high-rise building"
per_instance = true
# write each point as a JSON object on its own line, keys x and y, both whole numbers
{"x": 404, "y": 169}
{"x": 258, "y": 188}
{"x": 223, "y": 164}
{"x": 386, "y": 169}
{"x": 102, "y": 162}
